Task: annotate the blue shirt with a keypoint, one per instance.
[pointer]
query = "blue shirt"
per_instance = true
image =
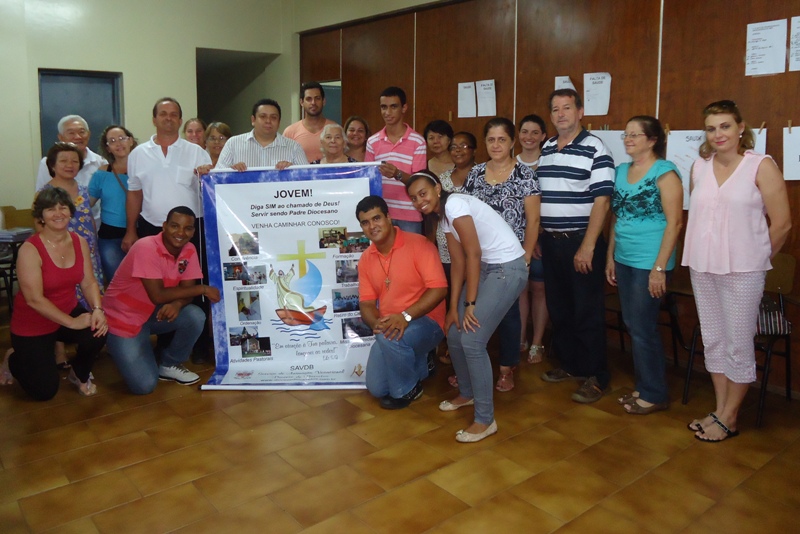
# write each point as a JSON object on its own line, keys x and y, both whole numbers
{"x": 105, "y": 186}
{"x": 640, "y": 217}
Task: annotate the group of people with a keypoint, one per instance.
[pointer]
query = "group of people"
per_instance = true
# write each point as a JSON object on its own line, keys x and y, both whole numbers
{"x": 508, "y": 239}
{"x": 493, "y": 221}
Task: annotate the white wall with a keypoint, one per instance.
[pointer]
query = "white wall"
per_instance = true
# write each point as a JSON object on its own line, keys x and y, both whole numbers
{"x": 152, "y": 43}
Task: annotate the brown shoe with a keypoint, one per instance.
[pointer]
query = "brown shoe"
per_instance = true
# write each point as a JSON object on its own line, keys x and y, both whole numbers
{"x": 559, "y": 375}
{"x": 589, "y": 392}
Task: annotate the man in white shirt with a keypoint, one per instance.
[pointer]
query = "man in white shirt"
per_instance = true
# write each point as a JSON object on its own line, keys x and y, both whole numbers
{"x": 307, "y": 131}
{"x": 164, "y": 172}
{"x": 263, "y": 146}
{"x": 73, "y": 129}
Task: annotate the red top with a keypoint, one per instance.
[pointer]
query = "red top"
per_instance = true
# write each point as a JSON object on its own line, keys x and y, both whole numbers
{"x": 58, "y": 286}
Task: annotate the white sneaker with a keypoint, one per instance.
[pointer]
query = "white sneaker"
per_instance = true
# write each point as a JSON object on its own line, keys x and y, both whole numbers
{"x": 177, "y": 373}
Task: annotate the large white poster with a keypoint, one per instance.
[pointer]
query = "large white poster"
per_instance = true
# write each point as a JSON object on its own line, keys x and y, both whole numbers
{"x": 284, "y": 247}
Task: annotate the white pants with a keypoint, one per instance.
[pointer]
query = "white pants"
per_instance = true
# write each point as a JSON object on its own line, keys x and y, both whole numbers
{"x": 727, "y": 305}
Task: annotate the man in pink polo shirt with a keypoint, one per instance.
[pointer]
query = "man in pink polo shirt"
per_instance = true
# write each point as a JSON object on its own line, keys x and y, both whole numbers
{"x": 151, "y": 293}
{"x": 402, "y": 152}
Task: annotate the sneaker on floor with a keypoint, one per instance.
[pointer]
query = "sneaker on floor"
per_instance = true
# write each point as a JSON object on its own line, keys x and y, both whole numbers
{"x": 177, "y": 373}
{"x": 559, "y": 375}
{"x": 391, "y": 403}
{"x": 431, "y": 363}
{"x": 590, "y": 391}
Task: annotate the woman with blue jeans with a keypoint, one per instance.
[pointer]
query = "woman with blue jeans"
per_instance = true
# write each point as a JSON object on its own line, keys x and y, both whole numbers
{"x": 110, "y": 186}
{"x": 488, "y": 272}
{"x": 648, "y": 209}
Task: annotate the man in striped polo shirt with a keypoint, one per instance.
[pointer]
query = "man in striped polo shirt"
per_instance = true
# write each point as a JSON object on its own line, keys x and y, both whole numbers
{"x": 262, "y": 146}
{"x": 576, "y": 176}
{"x": 402, "y": 152}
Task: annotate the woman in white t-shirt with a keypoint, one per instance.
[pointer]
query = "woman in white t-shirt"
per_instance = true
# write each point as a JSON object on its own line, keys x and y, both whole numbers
{"x": 488, "y": 271}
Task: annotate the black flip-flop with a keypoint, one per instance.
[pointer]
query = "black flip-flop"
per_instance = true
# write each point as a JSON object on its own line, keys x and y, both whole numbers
{"x": 728, "y": 432}
{"x": 699, "y": 428}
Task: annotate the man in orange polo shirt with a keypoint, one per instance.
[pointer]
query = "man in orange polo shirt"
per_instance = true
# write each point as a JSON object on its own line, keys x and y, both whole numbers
{"x": 401, "y": 288}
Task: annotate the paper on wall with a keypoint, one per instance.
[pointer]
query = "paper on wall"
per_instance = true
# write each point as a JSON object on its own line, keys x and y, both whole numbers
{"x": 614, "y": 143}
{"x": 564, "y": 82}
{"x": 487, "y": 99}
{"x": 766, "y": 48}
{"x": 794, "y": 44}
{"x": 466, "y": 100}
{"x": 791, "y": 154}
{"x": 596, "y": 93}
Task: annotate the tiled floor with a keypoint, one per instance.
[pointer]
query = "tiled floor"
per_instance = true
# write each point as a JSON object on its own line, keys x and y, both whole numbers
{"x": 331, "y": 461}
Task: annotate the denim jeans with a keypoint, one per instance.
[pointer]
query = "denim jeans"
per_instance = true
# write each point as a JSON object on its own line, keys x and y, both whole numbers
{"x": 640, "y": 313}
{"x": 576, "y": 304}
{"x": 509, "y": 331}
{"x": 134, "y": 356}
{"x": 498, "y": 289}
{"x": 395, "y": 366}
{"x": 111, "y": 255}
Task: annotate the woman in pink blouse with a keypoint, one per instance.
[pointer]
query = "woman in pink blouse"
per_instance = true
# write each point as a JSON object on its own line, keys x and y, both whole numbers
{"x": 728, "y": 246}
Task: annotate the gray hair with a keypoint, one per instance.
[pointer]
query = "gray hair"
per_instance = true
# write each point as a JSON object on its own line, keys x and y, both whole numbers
{"x": 62, "y": 124}
{"x": 330, "y": 126}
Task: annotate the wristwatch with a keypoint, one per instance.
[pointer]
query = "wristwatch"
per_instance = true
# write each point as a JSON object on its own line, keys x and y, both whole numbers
{"x": 406, "y": 316}
{"x": 470, "y": 303}
{"x": 398, "y": 175}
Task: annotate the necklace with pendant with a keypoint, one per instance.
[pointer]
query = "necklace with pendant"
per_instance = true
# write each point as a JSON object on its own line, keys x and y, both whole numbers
{"x": 386, "y": 269}
{"x": 54, "y": 247}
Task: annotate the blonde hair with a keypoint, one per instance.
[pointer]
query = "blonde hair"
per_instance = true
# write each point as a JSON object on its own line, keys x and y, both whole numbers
{"x": 747, "y": 140}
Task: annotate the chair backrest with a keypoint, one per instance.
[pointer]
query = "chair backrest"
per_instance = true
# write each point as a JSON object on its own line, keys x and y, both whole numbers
{"x": 17, "y": 218}
{"x": 781, "y": 278}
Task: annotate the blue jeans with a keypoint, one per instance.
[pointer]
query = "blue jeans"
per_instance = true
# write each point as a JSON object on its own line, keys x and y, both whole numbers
{"x": 134, "y": 356}
{"x": 498, "y": 289}
{"x": 111, "y": 255}
{"x": 640, "y": 313}
{"x": 414, "y": 227}
{"x": 395, "y": 366}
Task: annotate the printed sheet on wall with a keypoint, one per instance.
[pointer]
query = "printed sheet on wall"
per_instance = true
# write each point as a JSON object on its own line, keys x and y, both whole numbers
{"x": 284, "y": 247}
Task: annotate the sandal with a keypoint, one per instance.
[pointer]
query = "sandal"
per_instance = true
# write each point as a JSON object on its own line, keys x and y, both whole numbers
{"x": 506, "y": 381}
{"x": 628, "y": 398}
{"x": 634, "y": 408}
{"x": 6, "y": 378}
{"x": 536, "y": 354}
{"x": 453, "y": 380}
{"x": 523, "y": 346}
{"x": 697, "y": 426}
{"x": 87, "y": 389}
{"x": 728, "y": 432}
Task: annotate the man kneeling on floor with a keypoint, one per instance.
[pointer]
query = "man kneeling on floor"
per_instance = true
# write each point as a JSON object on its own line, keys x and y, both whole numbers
{"x": 151, "y": 293}
{"x": 401, "y": 290}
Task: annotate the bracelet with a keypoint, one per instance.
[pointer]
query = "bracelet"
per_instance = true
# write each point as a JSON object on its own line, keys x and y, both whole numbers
{"x": 98, "y": 308}
{"x": 470, "y": 303}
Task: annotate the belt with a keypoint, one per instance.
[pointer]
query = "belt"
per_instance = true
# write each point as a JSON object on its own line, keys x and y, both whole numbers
{"x": 566, "y": 235}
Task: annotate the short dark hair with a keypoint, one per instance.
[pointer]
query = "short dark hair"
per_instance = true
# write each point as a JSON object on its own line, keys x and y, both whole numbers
{"x": 181, "y": 210}
{"x": 371, "y": 202}
{"x": 438, "y": 126}
{"x": 311, "y": 85}
{"x": 534, "y": 118}
{"x": 360, "y": 119}
{"x": 48, "y": 198}
{"x": 473, "y": 142}
{"x": 503, "y": 123}
{"x": 395, "y": 91}
{"x": 167, "y": 99}
{"x": 104, "y": 151}
{"x": 221, "y": 127}
{"x": 55, "y": 150}
{"x": 653, "y": 130}
{"x": 565, "y": 92}
{"x": 266, "y": 102}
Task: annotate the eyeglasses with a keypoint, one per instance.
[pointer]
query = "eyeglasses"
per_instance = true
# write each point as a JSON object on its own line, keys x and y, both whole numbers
{"x": 214, "y": 138}
{"x": 451, "y": 148}
{"x": 632, "y": 136}
{"x": 114, "y": 140}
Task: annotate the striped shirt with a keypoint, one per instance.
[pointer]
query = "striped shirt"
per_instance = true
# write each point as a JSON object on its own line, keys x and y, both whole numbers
{"x": 409, "y": 155}
{"x": 246, "y": 149}
{"x": 570, "y": 180}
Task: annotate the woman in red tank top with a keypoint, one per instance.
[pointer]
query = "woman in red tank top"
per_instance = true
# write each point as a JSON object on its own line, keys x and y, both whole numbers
{"x": 50, "y": 264}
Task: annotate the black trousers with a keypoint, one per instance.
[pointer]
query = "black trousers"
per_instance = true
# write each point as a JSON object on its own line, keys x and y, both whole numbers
{"x": 576, "y": 303}
{"x": 33, "y": 364}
